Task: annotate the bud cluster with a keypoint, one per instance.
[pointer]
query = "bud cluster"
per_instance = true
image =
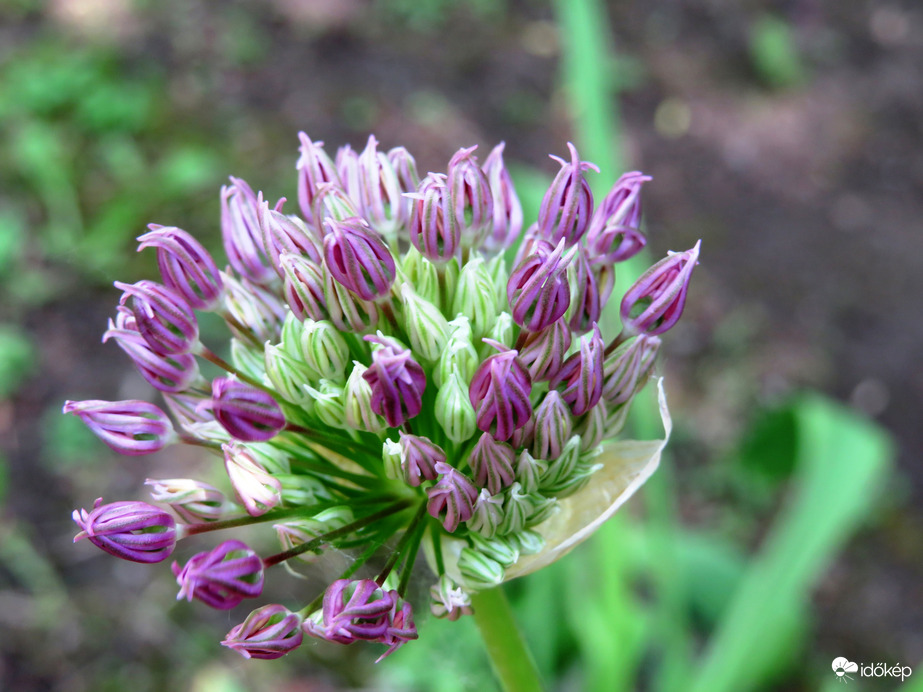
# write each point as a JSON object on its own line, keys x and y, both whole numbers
{"x": 390, "y": 381}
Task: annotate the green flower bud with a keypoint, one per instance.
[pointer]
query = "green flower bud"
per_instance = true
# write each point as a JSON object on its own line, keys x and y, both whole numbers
{"x": 500, "y": 274}
{"x": 450, "y": 271}
{"x": 503, "y": 329}
{"x": 488, "y": 513}
{"x": 459, "y": 353}
{"x": 504, "y": 550}
{"x": 287, "y": 375}
{"x": 248, "y": 361}
{"x": 542, "y": 508}
{"x": 300, "y": 490}
{"x": 529, "y": 471}
{"x": 391, "y": 457}
{"x": 324, "y": 351}
{"x": 479, "y": 571}
{"x": 291, "y": 334}
{"x": 328, "y": 403}
{"x": 517, "y": 508}
{"x": 453, "y": 409}
{"x": 425, "y": 326}
{"x": 530, "y": 542}
{"x": 269, "y": 457}
{"x": 579, "y": 478}
{"x": 592, "y": 428}
{"x": 561, "y": 469}
{"x": 422, "y": 275}
{"x": 358, "y": 403}
{"x": 615, "y": 419}
{"x": 476, "y": 297}
{"x": 298, "y": 532}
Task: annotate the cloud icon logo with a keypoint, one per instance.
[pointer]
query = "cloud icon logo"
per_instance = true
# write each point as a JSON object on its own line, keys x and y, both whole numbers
{"x": 842, "y": 666}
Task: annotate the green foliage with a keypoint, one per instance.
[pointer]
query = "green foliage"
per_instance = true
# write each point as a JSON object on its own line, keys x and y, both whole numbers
{"x": 774, "y": 52}
{"x": 17, "y": 359}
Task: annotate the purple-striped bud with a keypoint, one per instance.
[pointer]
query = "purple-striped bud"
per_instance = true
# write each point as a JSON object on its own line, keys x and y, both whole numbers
{"x": 314, "y": 169}
{"x": 380, "y": 190}
{"x": 568, "y": 203}
{"x": 397, "y": 382}
{"x": 129, "y": 427}
{"x": 247, "y": 413}
{"x": 470, "y": 198}
{"x": 582, "y": 374}
{"x": 499, "y": 393}
{"x": 168, "y": 373}
{"x": 655, "y": 302}
{"x": 552, "y": 427}
{"x": 347, "y": 162}
{"x": 419, "y": 457}
{"x": 543, "y": 352}
{"x": 353, "y": 610}
{"x": 185, "y": 265}
{"x": 614, "y": 234}
{"x": 332, "y": 202}
{"x": 284, "y": 234}
{"x": 405, "y": 168}
{"x": 358, "y": 258}
{"x": 192, "y": 500}
{"x": 453, "y": 495}
{"x": 537, "y": 290}
{"x": 134, "y": 531}
{"x": 492, "y": 464}
{"x": 268, "y": 632}
{"x": 258, "y": 489}
{"x": 487, "y": 515}
{"x": 507, "y": 221}
{"x": 221, "y": 577}
{"x": 591, "y": 287}
{"x": 241, "y": 232}
{"x": 256, "y": 312}
{"x": 347, "y": 311}
{"x": 162, "y": 316}
{"x": 303, "y": 287}
{"x": 432, "y": 230}
{"x": 627, "y": 367}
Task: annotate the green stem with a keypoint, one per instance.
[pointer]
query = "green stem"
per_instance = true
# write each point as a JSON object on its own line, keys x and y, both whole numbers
{"x": 245, "y": 520}
{"x": 511, "y": 660}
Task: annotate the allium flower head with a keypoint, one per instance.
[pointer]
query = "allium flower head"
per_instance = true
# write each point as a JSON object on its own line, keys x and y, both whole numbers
{"x": 392, "y": 388}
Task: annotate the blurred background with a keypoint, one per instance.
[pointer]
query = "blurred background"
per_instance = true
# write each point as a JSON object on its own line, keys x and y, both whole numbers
{"x": 785, "y": 527}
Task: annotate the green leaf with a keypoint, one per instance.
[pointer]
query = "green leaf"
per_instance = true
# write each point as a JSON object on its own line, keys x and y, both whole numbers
{"x": 17, "y": 359}
{"x": 842, "y": 460}
{"x": 774, "y": 52}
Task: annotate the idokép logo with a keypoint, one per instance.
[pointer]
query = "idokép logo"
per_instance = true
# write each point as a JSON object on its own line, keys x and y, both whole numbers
{"x": 842, "y": 667}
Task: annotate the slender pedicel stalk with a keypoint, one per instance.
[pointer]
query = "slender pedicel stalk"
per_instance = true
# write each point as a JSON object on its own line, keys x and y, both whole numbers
{"x": 622, "y": 337}
{"x": 408, "y": 536}
{"x": 343, "y": 531}
{"x": 246, "y": 520}
{"x": 213, "y": 357}
{"x": 407, "y": 567}
{"x": 190, "y": 440}
{"x": 509, "y": 656}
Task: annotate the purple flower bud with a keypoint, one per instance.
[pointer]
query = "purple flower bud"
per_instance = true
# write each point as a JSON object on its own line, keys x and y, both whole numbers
{"x": 162, "y": 316}
{"x": 358, "y": 258}
{"x": 492, "y": 464}
{"x": 419, "y": 457}
{"x": 568, "y": 203}
{"x": 347, "y": 311}
{"x": 614, "y": 235}
{"x": 192, "y": 500}
{"x": 129, "y": 427}
{"x": 347, "y": 162}
{"x": 626, "y": 368}
{"x": 454, "y": 494}
{"x": 397, "y": 382}
{"x": 286, "y": 234}
{"x": 185, "y": 265}
{"x": 133, "y": 531}
{"x": 507, "y": 221}
{"x": 552, "y": 427}
{"x": 591, "y": 287}
{"x": 332, "y": 202}
{"x": 303, "y": 287}
{"x": 655, "y": 302}
{"x": 405, "y": 167}
{"x": 432, "y": 230}
{"x": 380, "y": 190}
{"x": 353, "y": 610}
{"x": 241, "y": 233}
{"x": 256, "y": 312}
{"x": 582, "y": 374}
{"x": 258, "y": 489}
{"x": 537, "y": 290}
{"x": 400, "y": 630}
{"x": 499, "y": 393}
{"x": 168, "y": 373}
{"x": 314, "y": 169}
{"x": 268, "y": 632}
{"x": 470, "y": 198}
{"x": 247, "y": 413}
{"x": 543, "y": 352}
{"x": 221, "y": 577}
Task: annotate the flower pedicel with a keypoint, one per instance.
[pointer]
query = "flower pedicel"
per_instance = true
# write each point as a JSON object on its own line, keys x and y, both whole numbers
{"x": 392, "y": 382}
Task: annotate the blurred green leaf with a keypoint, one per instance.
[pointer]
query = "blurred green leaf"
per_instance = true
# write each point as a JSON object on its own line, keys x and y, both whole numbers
{"x": 17, "y": 359}
{"x": 769, "y": 446}
{"x": 842, "y": 460}
{"x": 188, "y": 168}
{"x": 12, "y": 232}
{"x": 67, "y": 441}
{"x": 774, "y": 52}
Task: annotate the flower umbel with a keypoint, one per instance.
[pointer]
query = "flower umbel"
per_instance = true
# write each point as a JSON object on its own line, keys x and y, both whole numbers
{"x": 393, "y": 384}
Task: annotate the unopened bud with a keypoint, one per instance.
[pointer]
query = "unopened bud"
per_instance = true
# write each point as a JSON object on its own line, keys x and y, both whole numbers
{"x": 425, "y": 326}
{"x": 476, "y": 297}
{"x": 324, "y": 350}
{"x": 357, "y": 403}
{"x": 479, "y": 571}
{"x": 453, "y": 409}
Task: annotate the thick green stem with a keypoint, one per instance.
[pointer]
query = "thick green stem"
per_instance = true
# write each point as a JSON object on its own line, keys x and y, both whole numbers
{"x": 511, "y": 660}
